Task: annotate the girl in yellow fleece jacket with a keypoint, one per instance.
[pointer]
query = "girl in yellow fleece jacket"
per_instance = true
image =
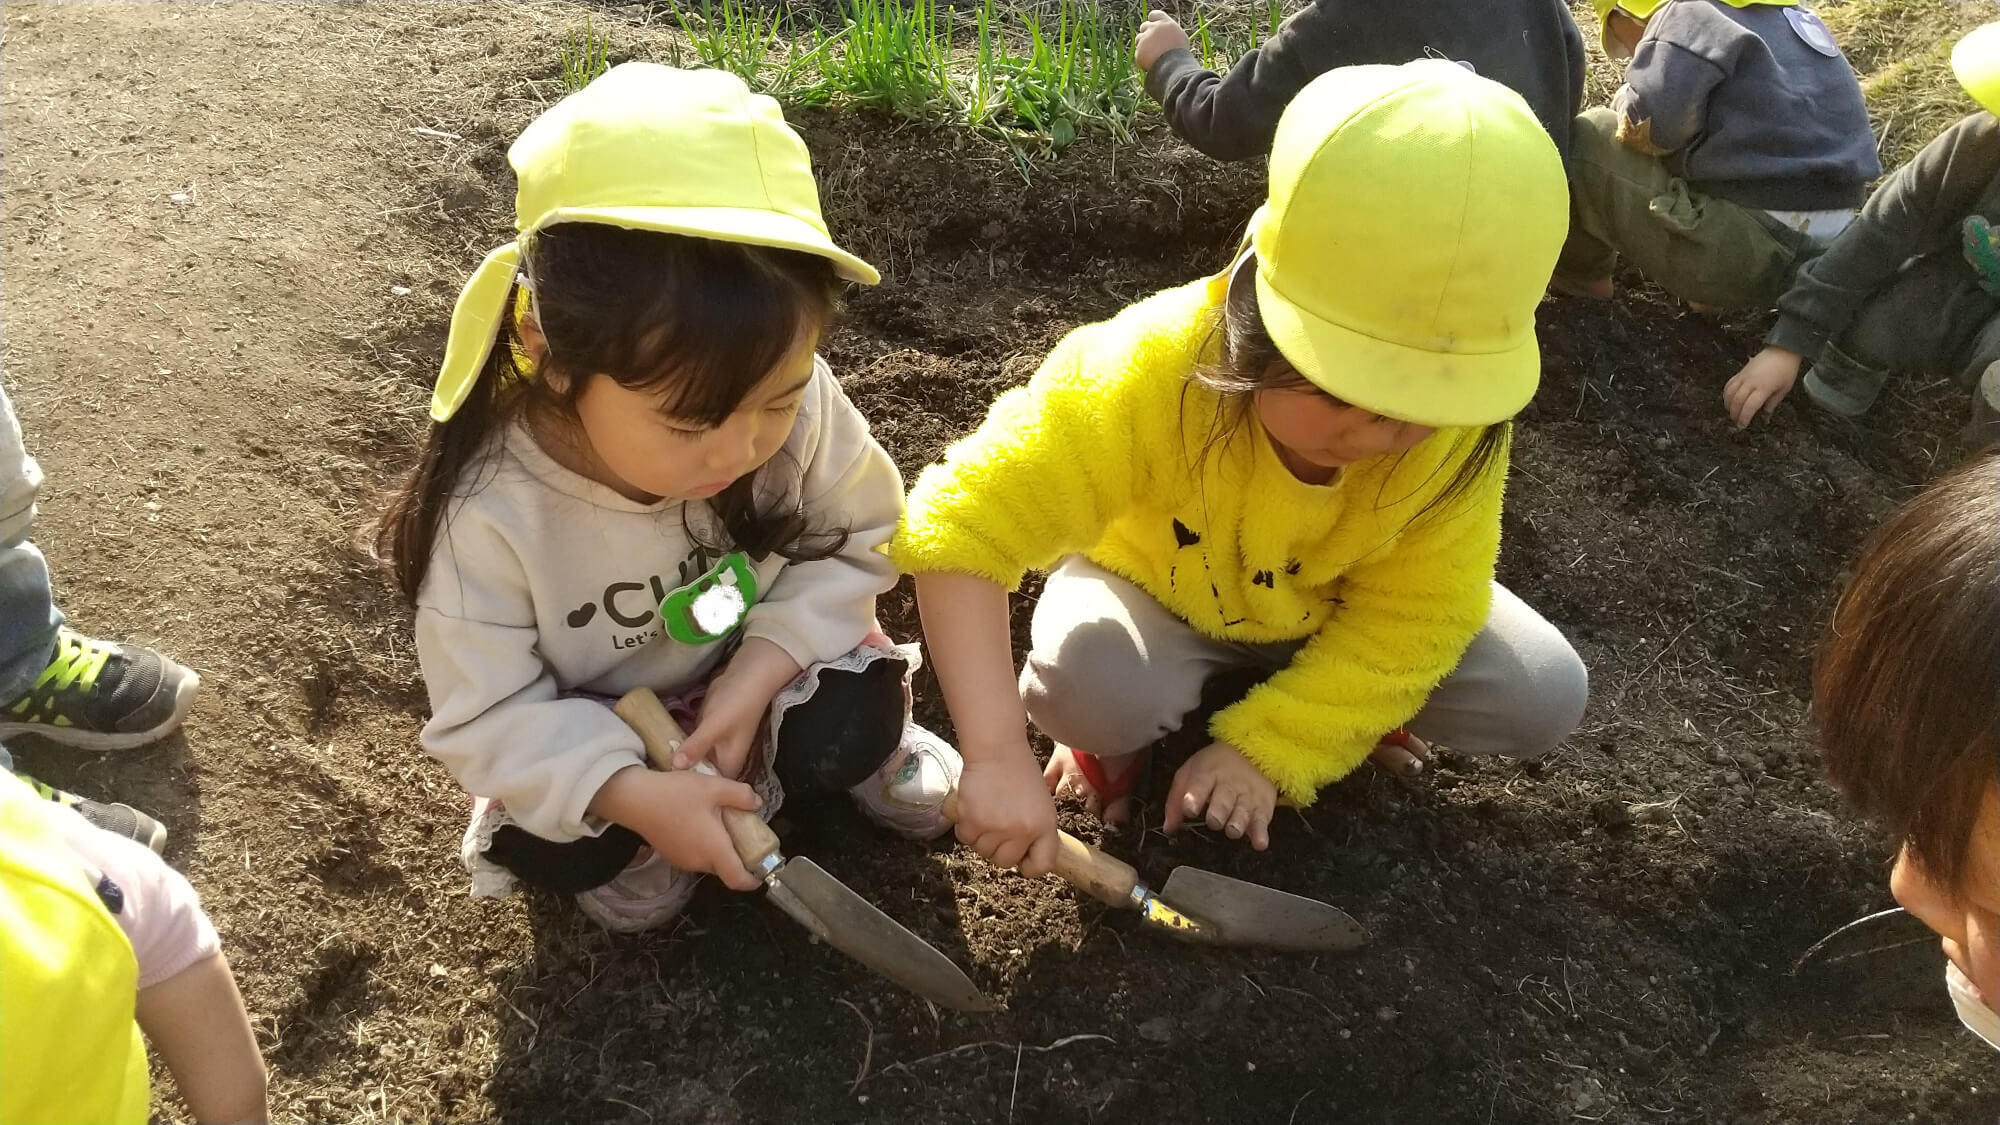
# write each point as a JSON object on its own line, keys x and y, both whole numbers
{"x": 1293, "y": 467}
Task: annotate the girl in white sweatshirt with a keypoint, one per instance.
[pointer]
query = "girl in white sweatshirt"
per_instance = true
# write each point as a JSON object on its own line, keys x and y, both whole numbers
{"x": 656, "y": 483}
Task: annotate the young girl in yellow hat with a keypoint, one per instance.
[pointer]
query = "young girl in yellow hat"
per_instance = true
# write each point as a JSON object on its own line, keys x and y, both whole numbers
{"x": 656, "y": 482}
{"x": 1293, "y": 467}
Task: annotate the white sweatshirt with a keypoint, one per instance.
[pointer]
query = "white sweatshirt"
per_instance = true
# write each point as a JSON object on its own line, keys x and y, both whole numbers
{"x": 544, "y": 582}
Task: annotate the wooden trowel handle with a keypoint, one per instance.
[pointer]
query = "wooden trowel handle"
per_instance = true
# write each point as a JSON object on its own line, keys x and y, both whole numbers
{"x": 1103, "y": 877}
{"x": 756, "y": 844}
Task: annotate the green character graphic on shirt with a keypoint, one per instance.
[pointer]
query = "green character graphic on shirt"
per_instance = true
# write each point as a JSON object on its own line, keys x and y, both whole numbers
{"x": 713, "y": 605}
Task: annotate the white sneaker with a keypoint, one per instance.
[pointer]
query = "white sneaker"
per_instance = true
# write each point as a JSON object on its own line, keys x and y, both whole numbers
{"x": 648, "y": 894}
{"x": 906, "y": 795}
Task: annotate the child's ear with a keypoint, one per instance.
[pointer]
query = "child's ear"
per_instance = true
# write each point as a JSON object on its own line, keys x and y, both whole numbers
{"x": 532, "y": 340}
{"x": 536, "y": 345}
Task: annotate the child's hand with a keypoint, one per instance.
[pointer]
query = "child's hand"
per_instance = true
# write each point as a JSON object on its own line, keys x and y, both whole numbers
{"x": 1005, "y": 812}
{"x": 680, "y": 815}
{"x": 735, "y": 706}
{"x": 1238, "y": 798}
{"x": 1761, "y": 385}
{"x": 1158, "y": 35}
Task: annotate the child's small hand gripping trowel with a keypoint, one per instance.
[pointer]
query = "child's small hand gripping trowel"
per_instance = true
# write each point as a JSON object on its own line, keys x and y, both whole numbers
{"x": 802, "y": 889}
{"x": 1201, "y": 906}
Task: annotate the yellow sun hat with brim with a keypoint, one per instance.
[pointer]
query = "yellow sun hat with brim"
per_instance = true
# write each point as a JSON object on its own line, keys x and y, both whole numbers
{"x": 655, "y": 148}
{"x": 1414, "y": 219}
{"x": 1976, "y": 62}
{"x": 1643, "y": 9}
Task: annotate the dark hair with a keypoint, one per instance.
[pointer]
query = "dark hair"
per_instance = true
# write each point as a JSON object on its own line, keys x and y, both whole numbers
{"x": 1906, "y": 688}
{"x": 1251, "y": 362}
{"x": 702, "y": 321}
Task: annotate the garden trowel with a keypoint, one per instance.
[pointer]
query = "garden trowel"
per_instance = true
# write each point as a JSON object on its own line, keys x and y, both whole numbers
{"x": 802, "y": 889}
{"x": 1201, "y": 906}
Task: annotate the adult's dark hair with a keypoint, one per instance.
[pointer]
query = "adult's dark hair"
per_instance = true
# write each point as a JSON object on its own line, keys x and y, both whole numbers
{"x": 698, "y": 321}
{"x": 1906, "y": 688}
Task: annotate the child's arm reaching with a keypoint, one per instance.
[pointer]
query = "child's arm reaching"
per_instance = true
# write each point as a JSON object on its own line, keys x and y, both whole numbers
{"x": 188, "y": 1006}
{"x": 735, "y": 705}
{"x": 1050, "y": 467}
{"x": 1235, "y": 117}
{"x": 196, "y": 1024}
{"x": 1004, "y": 810}
{"x": 1919, "y": 209}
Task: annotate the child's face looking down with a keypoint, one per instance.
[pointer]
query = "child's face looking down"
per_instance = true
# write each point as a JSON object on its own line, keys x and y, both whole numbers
{"x": 1967, "y": 917}
{"x": 647, "y": 454}
{"x": 1316, "y": 434}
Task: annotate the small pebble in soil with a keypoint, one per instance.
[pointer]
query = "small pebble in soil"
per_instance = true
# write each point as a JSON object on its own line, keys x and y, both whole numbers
{"x": 1346, "y": 1034}
{"x": 1159, "y": 1029}
{"x": 1385, "y": 1013}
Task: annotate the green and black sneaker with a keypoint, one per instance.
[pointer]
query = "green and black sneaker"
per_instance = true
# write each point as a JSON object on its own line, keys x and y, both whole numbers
{"x": 100, "y": 695}
{"x": 119, "y": 820}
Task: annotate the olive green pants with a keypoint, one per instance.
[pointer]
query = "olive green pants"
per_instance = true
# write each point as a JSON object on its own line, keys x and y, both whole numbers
{"x": 1695, "y": 246}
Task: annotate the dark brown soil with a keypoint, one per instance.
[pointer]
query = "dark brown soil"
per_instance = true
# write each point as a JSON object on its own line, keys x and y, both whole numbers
{"x": 218, "y": 386}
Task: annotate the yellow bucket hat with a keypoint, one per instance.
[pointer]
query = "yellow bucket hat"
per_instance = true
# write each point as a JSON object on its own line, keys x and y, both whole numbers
{"x": 1976, "y": 62}
{"x": 1414, "y": 219}
{"x": 1641, "y": 9}
{"x": 647, "y": 147}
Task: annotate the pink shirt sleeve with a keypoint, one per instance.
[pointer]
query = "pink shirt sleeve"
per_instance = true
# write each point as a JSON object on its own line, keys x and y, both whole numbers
{"x": 155, "y": 905}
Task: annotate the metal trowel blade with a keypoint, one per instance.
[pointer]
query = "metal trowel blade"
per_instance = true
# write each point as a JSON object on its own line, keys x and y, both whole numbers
{"x": 1243, "y": 913}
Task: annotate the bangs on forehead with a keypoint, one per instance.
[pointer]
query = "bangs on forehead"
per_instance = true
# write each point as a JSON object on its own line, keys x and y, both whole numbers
{"x": 703, "y": 368}
{"x": 698, "y": 322}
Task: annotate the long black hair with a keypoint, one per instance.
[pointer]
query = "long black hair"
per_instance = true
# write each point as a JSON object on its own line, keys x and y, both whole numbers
{"x": 1250, "y": 362}
{"x": 699, "y": 321}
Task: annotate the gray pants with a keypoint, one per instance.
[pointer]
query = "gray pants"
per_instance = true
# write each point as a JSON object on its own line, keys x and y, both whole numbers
{"x": 28, "y": 615}
{"x": 1110, "y": 671}
{"x": 1933, "y": 319}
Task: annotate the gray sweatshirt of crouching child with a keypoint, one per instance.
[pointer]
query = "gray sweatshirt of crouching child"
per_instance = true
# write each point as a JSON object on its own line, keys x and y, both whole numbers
{"x": 1755, "y": 105}
{"x": 1922, "y": 210}
{"x": 1530, "y": 46}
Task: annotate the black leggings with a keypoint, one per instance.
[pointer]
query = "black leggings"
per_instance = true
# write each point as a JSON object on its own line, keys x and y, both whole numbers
{"x": 830, "y": 743}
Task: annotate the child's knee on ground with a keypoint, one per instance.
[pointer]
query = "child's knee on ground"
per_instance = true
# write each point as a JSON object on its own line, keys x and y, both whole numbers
{"x": 1097, "y": 690}
{"x": 1520, "y": 689}
{"x": 851, "y": 724}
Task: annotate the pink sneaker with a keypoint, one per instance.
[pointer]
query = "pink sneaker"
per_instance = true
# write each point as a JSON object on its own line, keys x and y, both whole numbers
{"x": 906, "y": 795}
{"x": 648, "y": 894}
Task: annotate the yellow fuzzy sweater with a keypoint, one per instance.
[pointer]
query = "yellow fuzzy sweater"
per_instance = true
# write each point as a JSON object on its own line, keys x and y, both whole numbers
{"x": 1098, "y": 455}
